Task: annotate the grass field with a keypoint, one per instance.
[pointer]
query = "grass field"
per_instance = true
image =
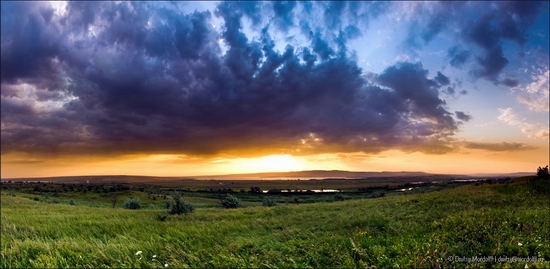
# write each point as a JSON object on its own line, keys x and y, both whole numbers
{"x": 492, "y": 222}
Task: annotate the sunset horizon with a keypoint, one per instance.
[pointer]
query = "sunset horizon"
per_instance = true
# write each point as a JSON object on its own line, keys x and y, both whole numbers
{"x": 217, "y": 88}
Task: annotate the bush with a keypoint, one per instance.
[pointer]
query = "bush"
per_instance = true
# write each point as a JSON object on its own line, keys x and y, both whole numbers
{"x": 377, "y": 194}
{"x": 339, "y": 197}
{"x": 231, "y": 202}
{"x": 132, "y": 203}
{"x": 162, "y": 217}
{"x": 71, "y": 202}
{"x": 542, "y": 172}
{"x": 268, "y": 202}
{"x": 539, "y": 185}
{"x": 178, "y": 206}
{"x": 255, "y": 190}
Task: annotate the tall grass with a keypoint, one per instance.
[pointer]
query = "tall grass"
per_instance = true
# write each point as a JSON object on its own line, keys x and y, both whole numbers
{"x": 418, "y": 230}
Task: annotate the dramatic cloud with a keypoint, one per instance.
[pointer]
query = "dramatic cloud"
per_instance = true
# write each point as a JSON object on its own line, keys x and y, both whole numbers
{"x": 463, "y": 116}
{"x": 146, "y": 77}
{"x": 429, "y": 21}
{"x": 510, "y": 82}
{"x": 458, "y": 56}
{"x": 165, "y": 86}
{"x": 501, "y": 21}
{"x": 442, "y": 79}
{"x": 510, "y": 21}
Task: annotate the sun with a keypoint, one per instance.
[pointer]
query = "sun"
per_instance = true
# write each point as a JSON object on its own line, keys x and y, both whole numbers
{"x": 277, "y": 163}
{"x": 270, "y": 163}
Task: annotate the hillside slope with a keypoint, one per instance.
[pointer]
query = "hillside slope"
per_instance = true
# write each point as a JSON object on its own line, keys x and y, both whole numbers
{"x": 418, "y": 230}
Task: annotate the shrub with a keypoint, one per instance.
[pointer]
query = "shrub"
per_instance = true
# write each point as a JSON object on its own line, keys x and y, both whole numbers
{"x": 162, "y": 217}
{"x": 339, "y": 197}
{"x": 542, "y": 172}
{"x": 132, "y": 203}
{"x": 377, "y": 194}
{"x": 231, "y": 202}
{"x": 178, "y": 206}
{"x": 71, "y": 202}
{"x": 268, "y": 202}
{"x": 539, "y": 185}
{"x": 255, "y": 190}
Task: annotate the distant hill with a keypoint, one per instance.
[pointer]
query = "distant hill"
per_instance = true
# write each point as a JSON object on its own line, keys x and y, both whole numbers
{"x": 311, "y": 174}
{"x": 510, "y": 175}
{"x": 100, "y": 179}
{"x": 319, "y": 174}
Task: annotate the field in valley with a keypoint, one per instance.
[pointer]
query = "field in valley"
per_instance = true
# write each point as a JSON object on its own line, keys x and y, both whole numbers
{"x": 501, "y": 225}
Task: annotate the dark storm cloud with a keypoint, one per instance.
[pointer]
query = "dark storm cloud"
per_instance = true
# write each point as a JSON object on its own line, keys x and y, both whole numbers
{"x": 510, "y": 20}
{"x": 492, "y": 64}
{"x": 29, "y": 46}
{"x": 321, "y": 47}
{"x": 442, "y": 79}
{"x": 462, "y": 116}
{"x": 252, "y": 10}
{"x": 515, "y": 18}
{"x": 340, "y": 22}
{"x": 284, "y": 18}
{"x": 496, "y": 22}
{"x": 138, "y": 77}
{"x": 509, "y": 82}
{"x": 449, "y": 91}
{"x": 420, "y": 94}
{"x": 458, "y": 56}
{"x": 430, "y": 19}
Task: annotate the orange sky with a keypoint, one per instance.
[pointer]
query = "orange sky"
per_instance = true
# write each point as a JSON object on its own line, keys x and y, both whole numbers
{"x": 463, "y": 162}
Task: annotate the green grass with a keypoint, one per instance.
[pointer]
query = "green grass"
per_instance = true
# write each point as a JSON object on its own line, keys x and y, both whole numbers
{"x": 417, "y": 230}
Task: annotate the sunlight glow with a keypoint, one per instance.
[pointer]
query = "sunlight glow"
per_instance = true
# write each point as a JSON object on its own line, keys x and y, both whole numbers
{"x": 270, "y": 163}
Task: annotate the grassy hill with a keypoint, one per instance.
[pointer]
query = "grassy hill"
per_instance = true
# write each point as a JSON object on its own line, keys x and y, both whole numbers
{"x": 492, "y": 222}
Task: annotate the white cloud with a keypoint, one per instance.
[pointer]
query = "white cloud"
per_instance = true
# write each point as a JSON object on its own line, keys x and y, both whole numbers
{"x": 507, "y": 115}
{"x": 543, "y": 133}
{"x": 36, "y": 99}
{"x": 535, "y": 95}
{"x": 402, "y": 58}
{"x": 528, "y": 128}
{"x": 59, "y": 7}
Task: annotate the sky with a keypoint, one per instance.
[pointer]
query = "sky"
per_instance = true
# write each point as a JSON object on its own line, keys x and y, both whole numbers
{"x": 205, "y": 88}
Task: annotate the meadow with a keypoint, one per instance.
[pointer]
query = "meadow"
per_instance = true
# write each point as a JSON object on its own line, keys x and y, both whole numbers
{"x": 499, "y": 225}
